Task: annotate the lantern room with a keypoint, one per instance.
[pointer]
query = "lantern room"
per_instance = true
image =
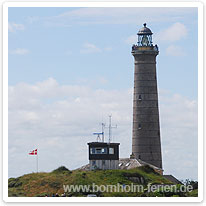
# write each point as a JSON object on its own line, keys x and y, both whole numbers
{"x": 144, "y": 36}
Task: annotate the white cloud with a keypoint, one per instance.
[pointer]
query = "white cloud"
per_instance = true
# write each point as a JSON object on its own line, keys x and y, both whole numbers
{"x": 60, "y": 120}
{"x": 179, "y": 132}
{"x": 108, "y": 49}
{"x": 85, "y": 16}
{"x": 32, "y": 19}
{"x": 102, "y": 80}
{"x": 90, "y": 48}
{"x": 173, "y": 33}
{"x": 19, "y": 51}
{"x": 13, "y": 27}
{"x": 131, "y": 39}
{"x": 174, "y": 50}
{"x": 46, "y": 110}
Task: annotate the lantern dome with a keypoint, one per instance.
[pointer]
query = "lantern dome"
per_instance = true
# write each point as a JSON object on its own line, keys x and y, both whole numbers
{"x": 144, "y": 30}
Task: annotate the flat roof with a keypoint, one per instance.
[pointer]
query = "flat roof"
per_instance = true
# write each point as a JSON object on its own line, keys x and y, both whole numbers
{"x": 102, "y": 143}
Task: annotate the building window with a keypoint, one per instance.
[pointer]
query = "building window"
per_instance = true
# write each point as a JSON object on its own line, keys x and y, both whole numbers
{"x": 127, "y": 164}
{"x": 139, "y": 126}
{"x": 98, "y": 150}
{"x": 111, "y": 150}
{"x": 140, "y": 98}
{"x": 120, "y": 164}
{"x": 92, "y": 150}
{"x": 104, "y": 150}
{"x": 93, "y": 163}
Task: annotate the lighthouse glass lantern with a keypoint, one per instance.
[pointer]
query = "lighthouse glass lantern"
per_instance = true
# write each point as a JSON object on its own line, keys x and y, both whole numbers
{"x": 144, "y": 36}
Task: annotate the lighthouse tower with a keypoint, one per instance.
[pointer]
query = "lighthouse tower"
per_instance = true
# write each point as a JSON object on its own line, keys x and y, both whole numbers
{"x": 146, "y": 143}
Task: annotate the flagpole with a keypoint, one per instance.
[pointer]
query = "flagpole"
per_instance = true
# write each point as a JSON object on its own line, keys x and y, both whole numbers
{"x": 35, "y": 153}
{"x": 37, "y": 162}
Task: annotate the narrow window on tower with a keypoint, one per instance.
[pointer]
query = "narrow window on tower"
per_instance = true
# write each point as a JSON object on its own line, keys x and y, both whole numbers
{"x": 140, "y": 97}
{"x": 139, "y": 126}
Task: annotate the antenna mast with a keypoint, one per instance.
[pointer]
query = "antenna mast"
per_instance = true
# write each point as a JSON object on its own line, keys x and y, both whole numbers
{"x": 103, "y": 126}
{"x": 110, "y": 128}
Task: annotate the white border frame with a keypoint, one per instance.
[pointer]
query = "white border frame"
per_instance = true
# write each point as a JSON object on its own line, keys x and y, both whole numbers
{"x": 199, "y": 5}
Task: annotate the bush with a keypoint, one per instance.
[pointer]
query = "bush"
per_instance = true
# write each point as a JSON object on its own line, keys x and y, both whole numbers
{"x": 14, "y": 182}
{"x": 84, "y": 174}
{"x": 43, "y": 182}
{"x": 191, "y": 182}
{"x": 61, "y": 169}
{"x": 148, "y": 169}
{"x": 41, "y": 195}
{"x": 194, "y": 193}
{"x": 55, "y": 185}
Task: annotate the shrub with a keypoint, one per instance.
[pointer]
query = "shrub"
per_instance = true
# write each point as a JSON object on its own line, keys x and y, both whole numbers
{"x": 61, "y": 169}
{"x": 148, "y": 169}
{"x": 14, "y": 182}
{"x": 55, "y": 184}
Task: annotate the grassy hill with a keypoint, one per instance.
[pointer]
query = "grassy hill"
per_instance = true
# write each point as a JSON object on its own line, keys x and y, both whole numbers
{"x": 41, "y": 184}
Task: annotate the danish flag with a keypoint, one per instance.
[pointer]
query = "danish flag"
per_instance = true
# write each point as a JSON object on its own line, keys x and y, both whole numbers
{"x": 34, "y": 152}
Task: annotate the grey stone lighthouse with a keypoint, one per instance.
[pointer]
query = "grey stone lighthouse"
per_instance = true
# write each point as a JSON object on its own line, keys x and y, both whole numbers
{"x": 146, "y": 143}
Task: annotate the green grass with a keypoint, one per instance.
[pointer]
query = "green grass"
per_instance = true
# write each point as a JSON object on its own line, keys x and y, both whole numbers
{"x": 193, "y": 193}
{"x": 40, "y": 184}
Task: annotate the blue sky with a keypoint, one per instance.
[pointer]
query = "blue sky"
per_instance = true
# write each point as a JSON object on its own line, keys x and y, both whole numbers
{"x": 56, "y": 41}
{"x": 75, "y": 65}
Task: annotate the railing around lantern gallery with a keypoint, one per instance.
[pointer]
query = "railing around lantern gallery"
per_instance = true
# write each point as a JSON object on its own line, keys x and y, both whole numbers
{"x": 135, "y": 47}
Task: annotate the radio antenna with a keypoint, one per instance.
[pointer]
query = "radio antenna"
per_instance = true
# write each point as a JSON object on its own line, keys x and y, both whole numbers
{"x": 110, "y": 127}
{"x": 103, "y": 126}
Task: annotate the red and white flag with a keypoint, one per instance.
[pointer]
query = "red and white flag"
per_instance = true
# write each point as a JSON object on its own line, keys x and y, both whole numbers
{"x": 34, "y": 152}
